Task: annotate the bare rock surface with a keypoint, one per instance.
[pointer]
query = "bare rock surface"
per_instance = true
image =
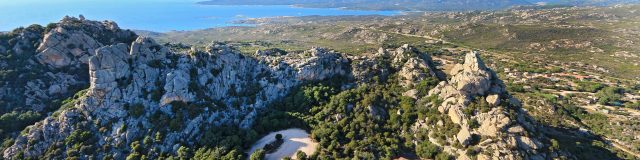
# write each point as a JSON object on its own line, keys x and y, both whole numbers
{"x": 474, "y": 80}
{"x": 232, "y": 86}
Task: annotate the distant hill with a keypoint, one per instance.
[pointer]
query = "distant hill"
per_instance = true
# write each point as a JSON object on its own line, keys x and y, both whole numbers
{"x": 409, "y": 5}
{"x": 584, "y": 2}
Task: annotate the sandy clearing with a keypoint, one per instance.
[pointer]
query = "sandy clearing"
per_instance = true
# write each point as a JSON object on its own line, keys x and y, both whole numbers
{"x": 294, "y": 140}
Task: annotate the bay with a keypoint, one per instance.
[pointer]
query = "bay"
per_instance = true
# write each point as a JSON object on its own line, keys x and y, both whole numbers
{"x": 159, "y": 16}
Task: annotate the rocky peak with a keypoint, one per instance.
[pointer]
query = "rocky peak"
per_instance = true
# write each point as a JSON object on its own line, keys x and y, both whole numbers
{"x": 411, "y": 65}
{"x": 321, "y": 65}
{"x": 473, "y": 83}
{"x": 229, "y": 87}
{"x": 146, "y": 50}
{"x": 25, "y": 40}
{"x": 472, "y": 78}
{"x": 74, "y": 40}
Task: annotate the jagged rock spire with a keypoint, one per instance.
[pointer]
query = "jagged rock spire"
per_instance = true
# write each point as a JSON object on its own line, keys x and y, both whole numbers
{"x": 474, "y": 80}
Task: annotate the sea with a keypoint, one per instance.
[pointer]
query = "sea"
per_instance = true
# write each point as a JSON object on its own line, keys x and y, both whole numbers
{"x": 152, "y": 15}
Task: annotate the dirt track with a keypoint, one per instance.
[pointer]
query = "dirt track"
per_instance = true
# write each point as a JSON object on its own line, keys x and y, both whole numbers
{"x": 294, "y": 140}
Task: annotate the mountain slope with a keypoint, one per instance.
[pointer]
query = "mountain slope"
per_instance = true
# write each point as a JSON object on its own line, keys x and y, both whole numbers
{"x": 146, "y": 100}
{"x": 135, "y": 87}
{"x": 432, "y": 5}
{"x": 585, "y": 2}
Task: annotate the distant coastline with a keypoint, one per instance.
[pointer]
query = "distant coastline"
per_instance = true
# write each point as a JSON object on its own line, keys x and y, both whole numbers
{"x": 162, "y": 17}
{"x": 388, "y": 5}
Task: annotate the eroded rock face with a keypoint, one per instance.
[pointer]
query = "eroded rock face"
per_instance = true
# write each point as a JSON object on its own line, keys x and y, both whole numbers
{"x": 61, "y": 47}
{"x": 108, "y": 65}
{"x": 58, "y": 61}
{"x": 231, "y": 86}
{"x": 70, "y": 42}
{"x": 413, "y": 66}
{"x": 177, "y": 88}
{"x": 473, "y": 80}
{"x": 322, "y": 64}
{"x": 46, "y": 133}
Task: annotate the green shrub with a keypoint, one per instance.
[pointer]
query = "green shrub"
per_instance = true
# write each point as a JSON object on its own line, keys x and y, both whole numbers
{"x": 513, "y": 87}
{"x": 184, "y": 153}
{"x": 50, "y": 27}
{"x": 444, "y": 156}
{"x": 16, "y": 121}
{"x": 176, "y": 123}
{"x": 610, "y": 95}
{"x": 155, "y": 63}
{"x": 136, "y": 110}
{"x": 427, "y": 150}
{"x": 301, "y": 155}
{"x": 258, "y": 155}
{"x": 593, "y": 87}
{"x": 474, "y": 123}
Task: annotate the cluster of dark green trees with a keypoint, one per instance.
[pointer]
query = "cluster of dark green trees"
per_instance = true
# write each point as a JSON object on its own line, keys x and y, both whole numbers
{"x": 371, "y": 121}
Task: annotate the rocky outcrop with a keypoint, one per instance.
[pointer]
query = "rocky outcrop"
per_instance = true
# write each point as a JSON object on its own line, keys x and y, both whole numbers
{"x": 73, "y": 41}
{"x": 61, "y": 47}
{"x": 411, "y": 65}
{"x": 414, "y": 66}
{"x": 322, "y": 64}
{"x": 108, "y": 65}
{"x": 230, "y": 87}
{"x": 138, "y": 88}
{"x": 52, "y": 67}
{"x": 473, "y": 82}
{"x": 177, "y": 88}
{"x": 46, "y": 133}
{"x": 25, "y": 40}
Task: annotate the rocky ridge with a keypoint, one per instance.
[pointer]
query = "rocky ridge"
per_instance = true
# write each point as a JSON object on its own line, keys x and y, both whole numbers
{"x": 503, "y": 128}
{"x": 411, "y": 65}
{"x": 54, "y": 59}
{"x": 226, "y": 87}
{"x": 139, "y": 88}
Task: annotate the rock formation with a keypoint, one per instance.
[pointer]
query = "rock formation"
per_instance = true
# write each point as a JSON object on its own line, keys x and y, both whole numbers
{"x": 53, "y": 66}
{"x": 70, "y": 44}
{"x": 136, "y": 87}
{"x": 230, "y": 87}
{"x": 505, "y": 128}
{"x": 412, "y": 66}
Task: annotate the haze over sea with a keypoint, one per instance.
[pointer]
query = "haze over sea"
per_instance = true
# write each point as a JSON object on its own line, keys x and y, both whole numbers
{"x": 152, "y": 15}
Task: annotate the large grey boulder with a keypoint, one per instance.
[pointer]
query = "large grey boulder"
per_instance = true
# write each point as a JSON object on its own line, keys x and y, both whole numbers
{"x": 61, "y": 47}
{"x": 177, "y": 88}
{"x": 473, "y": 77}
{"x": 74, "y": 40}
{"x": 464, "y": 136}
{"x": 321, "y": 65}
{"x": 108, "y": 65}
